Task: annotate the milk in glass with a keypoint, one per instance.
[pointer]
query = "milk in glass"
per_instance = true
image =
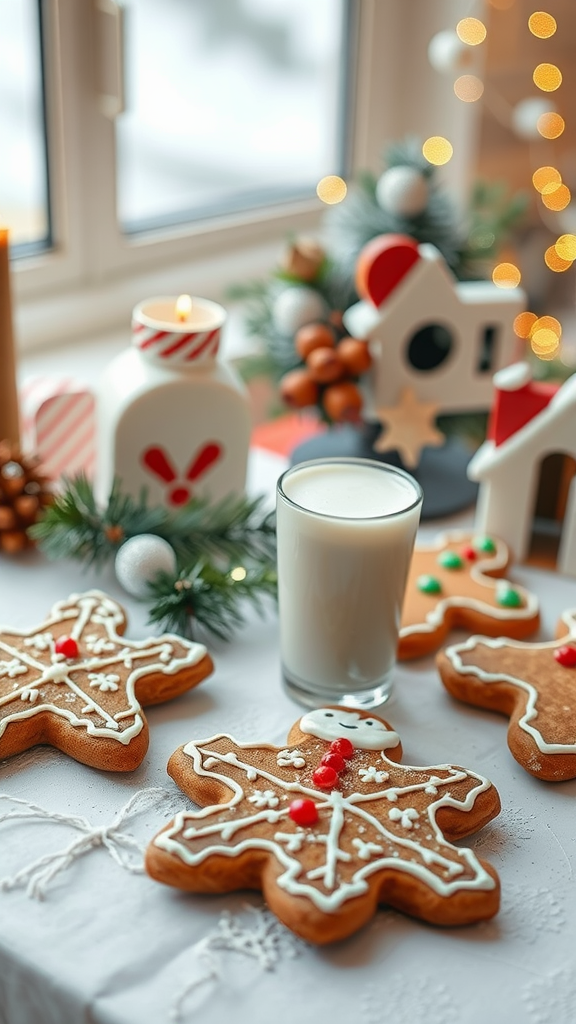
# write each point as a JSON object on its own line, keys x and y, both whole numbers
{"x": 346, "y": 530}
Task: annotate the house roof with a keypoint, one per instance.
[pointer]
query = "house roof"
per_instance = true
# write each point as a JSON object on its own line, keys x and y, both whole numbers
{"x": 553, "y": 429}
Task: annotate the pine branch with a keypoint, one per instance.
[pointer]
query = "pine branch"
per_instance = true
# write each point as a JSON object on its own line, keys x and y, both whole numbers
{"x": 211, "y": 597}
{"x": 236, "y": 528}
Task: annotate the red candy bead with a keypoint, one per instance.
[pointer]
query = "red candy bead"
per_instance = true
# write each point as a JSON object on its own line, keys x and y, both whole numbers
{"x": 342, "y": 747}
{"x": 469, "y": 554}
{"x": 67, "y": 646}
{"x": 334, "y": 760}
{"x": 303, "y": 812}
{"x": 325, "y": 777}
{"x": 566, "y": 656}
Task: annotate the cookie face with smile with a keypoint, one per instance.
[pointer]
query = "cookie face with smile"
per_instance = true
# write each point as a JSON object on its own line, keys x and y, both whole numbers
{"x": 335, "y": 723}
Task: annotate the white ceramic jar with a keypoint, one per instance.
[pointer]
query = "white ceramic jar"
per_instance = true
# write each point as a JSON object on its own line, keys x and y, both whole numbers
{"x": 172, "y": 418}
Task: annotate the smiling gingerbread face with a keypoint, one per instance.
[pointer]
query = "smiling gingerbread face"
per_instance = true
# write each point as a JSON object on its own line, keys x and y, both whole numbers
{"x": 364, "y": 731}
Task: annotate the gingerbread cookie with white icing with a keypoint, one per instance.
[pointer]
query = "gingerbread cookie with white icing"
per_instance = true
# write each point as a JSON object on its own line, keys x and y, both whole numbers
{"x": 75, "y": 683}
{"x": 328, "y": 827}
{"x": 533, "y": 683}
{"x": 457, "y": 583}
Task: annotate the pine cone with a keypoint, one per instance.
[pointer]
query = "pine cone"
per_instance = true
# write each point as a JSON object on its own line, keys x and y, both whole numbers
{"x": 24, "y": 492}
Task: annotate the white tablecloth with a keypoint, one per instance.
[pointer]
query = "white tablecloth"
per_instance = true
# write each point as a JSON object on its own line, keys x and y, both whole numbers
{"x": 109, "y": 947}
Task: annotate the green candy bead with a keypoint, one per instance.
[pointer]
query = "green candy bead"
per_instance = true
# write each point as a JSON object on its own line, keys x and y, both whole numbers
{"x": 450, "y": 560}
{"x": 429, "y": 585}
{"x": 485, "y": 544}
{"x": 507, "y": 597}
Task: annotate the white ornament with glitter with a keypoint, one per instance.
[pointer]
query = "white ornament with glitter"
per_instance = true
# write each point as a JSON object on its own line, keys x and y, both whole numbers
{"x": 172, "y": 418}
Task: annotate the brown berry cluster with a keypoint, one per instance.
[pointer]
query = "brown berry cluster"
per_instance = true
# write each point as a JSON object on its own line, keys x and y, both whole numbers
{"x": 24, "y": 492}
{"x": 328, "y": 377}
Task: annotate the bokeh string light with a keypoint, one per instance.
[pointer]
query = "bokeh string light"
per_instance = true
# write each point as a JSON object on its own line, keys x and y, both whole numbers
{"x": 331, "y": 189}
{"x": 555, "y": 262}
{"x": 542, "y": 24}
{"x": 550, "y": 125}
{"x": 566, "y": 247}
{"x": 437, "y": 150}
{"x": 471, "y": 31}
{"x": 468, "y": 88}
{"x": 558, "y": 199}
{"x": 506, "y": 275}
{"x": 547, "y": 77}
{"x": 543, "y": 333}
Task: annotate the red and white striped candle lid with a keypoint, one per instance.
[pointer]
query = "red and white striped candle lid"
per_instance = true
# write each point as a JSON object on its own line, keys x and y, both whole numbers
{"x": 162, "y": 337}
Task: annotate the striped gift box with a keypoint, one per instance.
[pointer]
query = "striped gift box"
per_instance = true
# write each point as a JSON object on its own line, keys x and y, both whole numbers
{"x": 59, "y": 424}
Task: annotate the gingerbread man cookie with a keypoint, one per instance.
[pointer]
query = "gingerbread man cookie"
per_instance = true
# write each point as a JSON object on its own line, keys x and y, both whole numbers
{"x": 75, "y": 683}
{"x": 329, "y": 827}
{"x": 457, "y": 584}
{"x": 535, "y": 684}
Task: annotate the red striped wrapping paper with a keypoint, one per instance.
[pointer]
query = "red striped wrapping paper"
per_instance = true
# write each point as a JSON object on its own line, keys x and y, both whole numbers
{"x": 59, "y": 424}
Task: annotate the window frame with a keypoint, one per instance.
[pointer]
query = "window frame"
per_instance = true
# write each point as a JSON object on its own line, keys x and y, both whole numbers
{"x": 92, "y": 266}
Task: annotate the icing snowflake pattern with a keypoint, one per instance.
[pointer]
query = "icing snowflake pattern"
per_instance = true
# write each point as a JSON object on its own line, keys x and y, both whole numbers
{"x": 45, "y": 681}
{"x": 373, "y": 774}
{"x": 12, "y": 668}
{"x": 104, "y": 680}
{"x": 355, "y": 835}
{"x": 290, "y": 757}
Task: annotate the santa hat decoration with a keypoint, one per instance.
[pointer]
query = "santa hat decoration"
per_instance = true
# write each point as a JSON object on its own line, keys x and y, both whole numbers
{"x": 517, "y": 400}
{"x": 382, "y": 264}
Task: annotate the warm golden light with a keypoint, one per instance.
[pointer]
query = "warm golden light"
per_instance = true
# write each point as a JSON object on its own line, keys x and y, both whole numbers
{"x": 331, "y": 189}
{"x": 468, "y": 88}
{"x": 544, "y": 343}
{"x": 547, "y": 77}
{"x": 546, "y": 179}
{"x": 471, "y": 31}
{"x": 566, "y": 247}
{"x": 555, "y": 262}
{"x": 523, "y": 324}
{"x": 238, "y": 574}
{"x": 506, "y": 275}
{"x": 550, "y": 125}
{"x": 542, "y": 24}
{"x": 183, "y": 307}
{"x": 557, "y": 200}
{"x": 501, "y": 5}
{"x": 437, "y": 150}
{"x": 547, "y": 323}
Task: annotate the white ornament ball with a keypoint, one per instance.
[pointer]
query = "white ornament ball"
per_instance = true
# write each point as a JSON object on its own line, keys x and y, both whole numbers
{"x": 403, "y": 191}
{"x": 526, "y": 113}
{"x": 447, "y": 52}
{"x": 296, "y": 306}
{"x": 140, "y": 559}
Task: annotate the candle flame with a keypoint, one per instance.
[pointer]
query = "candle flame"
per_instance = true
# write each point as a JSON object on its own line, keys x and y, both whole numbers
{"x": 183, "y": 307}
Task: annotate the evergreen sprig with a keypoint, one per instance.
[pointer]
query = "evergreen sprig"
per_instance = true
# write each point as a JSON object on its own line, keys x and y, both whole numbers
{"x": 225, "y": 552}
{"x": 236, "y": 529}
{"x": 209, "y": 596}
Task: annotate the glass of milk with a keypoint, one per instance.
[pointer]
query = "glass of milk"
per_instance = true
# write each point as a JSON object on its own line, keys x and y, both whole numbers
{"x": 346, "y": 530}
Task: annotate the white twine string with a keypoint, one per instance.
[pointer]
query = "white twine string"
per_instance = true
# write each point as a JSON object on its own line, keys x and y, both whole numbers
{"x": 38, "y": 875}
{"x": 265, "y": 943}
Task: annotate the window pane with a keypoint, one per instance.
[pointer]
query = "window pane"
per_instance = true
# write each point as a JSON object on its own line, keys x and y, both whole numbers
{"x": 23, "y": 165}
{"x": 231, "y": 104}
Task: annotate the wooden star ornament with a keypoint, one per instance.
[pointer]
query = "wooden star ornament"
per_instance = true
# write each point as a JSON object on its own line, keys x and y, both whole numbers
{"x": 409, "y": 427}
{"x": 75, "y": 683}
{"x": 329, "y": 827}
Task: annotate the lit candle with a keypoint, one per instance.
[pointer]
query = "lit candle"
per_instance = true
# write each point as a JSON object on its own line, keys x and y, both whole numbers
{"x": 9, "y": 420}
{"x": 183, "y": 307}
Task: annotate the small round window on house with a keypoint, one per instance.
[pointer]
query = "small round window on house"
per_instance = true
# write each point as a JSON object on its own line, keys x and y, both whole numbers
{"x": 429, "y": 347}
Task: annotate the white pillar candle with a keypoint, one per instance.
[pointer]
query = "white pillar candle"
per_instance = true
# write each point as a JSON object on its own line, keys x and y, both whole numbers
{"x": 346, "y": 530}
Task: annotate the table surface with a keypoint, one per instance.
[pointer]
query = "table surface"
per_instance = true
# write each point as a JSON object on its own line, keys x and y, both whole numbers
{"x": 110, "y": 947}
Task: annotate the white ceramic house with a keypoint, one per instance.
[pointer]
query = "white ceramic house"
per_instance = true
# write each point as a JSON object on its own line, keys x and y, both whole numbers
{"x": 509, "y": 471}
{"x": 440, "y": 337}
